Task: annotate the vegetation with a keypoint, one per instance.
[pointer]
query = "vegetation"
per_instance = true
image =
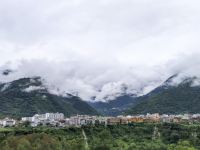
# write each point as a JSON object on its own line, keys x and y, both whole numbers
{"x": 183, "y": 98}
{"x": 138, "y": 136}
{"x": 114, "y": 107}
{"x": 16, "y": 102}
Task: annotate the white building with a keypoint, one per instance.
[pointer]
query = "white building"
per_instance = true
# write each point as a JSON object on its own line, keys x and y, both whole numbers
{"x": 8, "y": 122}
{"x": 39, "y": 117}
{"x": 54, "y": 116}
{"x": 29, "y": 119}
{"x": 73, "y": 121}
{"x": 48, "y": 118}
{"x": 80, "y": 120}
{"x": 186, "y": 117}
{"x": 165, "y": 118}
{"x": 153, "y": 116}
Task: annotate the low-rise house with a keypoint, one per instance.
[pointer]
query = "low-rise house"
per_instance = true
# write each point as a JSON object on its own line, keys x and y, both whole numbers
{"x": 165, "y": 118}
{"x": 195, "y": 118}
{"x": 113, "y": 121}
{"x": 74, "y": 121}
{"x": 135, "y": 119}
{"x": 186, "y": 118}
{"x": 177, "y": 119}
{"x": 8, "y": 122}
{"x": 152, "y": 117}
{"x": 100, "y": 120}
{"x": 34, "y": 124}
{"x": 29, "y": 119}
{"x": 123, "y": 119}
{"x": 54, "y": 116}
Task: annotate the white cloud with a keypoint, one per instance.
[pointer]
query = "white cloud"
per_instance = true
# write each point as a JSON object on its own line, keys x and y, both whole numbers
{"x": 33, "y": 88}
{"x": 128, "y": 31}
{"x": 87, "y": 46}
{"x": 85, "y": 79}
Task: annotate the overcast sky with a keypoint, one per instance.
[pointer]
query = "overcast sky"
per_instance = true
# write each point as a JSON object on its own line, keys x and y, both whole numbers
{"x": 129, "y": 41}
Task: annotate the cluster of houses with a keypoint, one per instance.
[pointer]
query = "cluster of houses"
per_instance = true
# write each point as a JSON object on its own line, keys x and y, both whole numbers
{"x": 59, "y": 120}
{"x": 190, "y": 118}
{"x": 53, "y": 119}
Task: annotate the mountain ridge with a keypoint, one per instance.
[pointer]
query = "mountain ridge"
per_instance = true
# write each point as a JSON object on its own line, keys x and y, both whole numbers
{"x": 170, "y": 98}
{"x": 27, "y": 96}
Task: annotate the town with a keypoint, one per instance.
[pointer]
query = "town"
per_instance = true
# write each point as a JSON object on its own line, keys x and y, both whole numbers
{"x": 59, "y": 120}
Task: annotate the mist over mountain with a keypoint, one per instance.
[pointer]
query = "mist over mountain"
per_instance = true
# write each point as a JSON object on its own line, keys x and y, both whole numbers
{"x": 109, "y": 91}
{"x": 100, "y": 62}
{"x": 97, "y": 82}
{"x": 99, "y": 51}
{"x": 28, "y": 96}
{"x": 85, "y": 81}
{"x": 177, "y": 95}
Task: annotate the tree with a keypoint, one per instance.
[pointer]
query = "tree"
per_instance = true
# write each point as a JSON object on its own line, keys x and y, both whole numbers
{"x": 183, "y": 145}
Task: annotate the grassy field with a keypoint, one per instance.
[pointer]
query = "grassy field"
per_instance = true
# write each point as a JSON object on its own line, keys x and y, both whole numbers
{"x": 6, "y": 129}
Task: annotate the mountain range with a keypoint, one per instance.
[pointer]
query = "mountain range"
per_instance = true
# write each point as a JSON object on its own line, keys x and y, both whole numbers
{"x": 28, "y": 96}
{"x": 176, "y": 95}
{"x": 171, "y": 98}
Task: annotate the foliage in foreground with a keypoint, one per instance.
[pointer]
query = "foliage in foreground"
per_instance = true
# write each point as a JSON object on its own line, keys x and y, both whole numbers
{"x": 123, "y": 137}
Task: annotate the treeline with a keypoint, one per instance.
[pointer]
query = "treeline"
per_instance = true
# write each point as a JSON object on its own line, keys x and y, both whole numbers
{"x": 139, "y": 136}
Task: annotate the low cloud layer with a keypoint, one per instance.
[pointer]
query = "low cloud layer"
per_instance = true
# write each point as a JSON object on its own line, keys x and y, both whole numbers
{"x": 100, "y": 82}
{"x": 86, "y": 80}
{"x": 100, "y": 48}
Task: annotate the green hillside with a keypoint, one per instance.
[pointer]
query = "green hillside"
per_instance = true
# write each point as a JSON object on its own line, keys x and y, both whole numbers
{"x": 114, "y": 107}
{"x": 183, "y": 98}
{"x": 16, "y": 101}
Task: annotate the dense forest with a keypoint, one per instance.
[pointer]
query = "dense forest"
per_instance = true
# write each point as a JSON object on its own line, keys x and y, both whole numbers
{"x": 139, "y": 136}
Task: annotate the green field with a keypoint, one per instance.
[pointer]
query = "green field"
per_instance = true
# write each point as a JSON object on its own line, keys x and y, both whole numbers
{"x": 6, "y": 129}
{"x": 139, "y": 136}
